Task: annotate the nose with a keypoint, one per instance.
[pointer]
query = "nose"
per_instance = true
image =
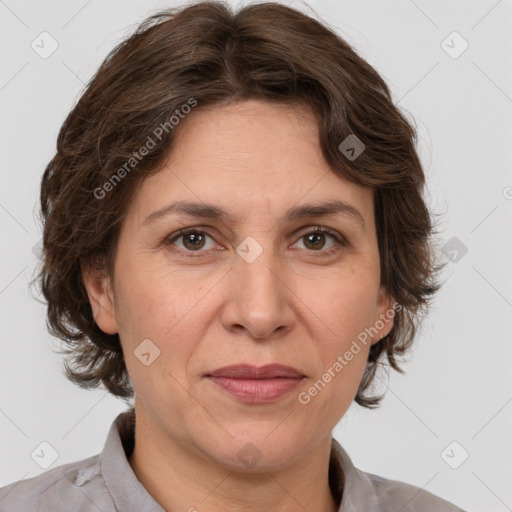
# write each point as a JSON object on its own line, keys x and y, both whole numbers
{"x": 260, "y": 299}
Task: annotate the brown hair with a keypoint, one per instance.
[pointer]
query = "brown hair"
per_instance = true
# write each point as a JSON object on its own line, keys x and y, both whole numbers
{"x": 209, "y": 54}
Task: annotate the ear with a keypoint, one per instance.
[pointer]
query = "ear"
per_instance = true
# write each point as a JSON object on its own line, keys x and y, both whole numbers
{"x": 101, "y": 298}
{"x": 384, "y": 315}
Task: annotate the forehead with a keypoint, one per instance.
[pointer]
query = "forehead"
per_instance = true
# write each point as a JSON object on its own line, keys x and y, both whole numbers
{"x": 252, "y": 158}
{"x": 248, "y": 135}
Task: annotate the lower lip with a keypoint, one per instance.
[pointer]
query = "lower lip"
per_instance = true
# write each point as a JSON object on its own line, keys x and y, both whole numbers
{"x": 257, "y": 391}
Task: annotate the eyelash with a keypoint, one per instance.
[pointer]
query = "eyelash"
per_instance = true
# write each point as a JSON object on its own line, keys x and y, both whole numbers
{"x": 340, "y": 240}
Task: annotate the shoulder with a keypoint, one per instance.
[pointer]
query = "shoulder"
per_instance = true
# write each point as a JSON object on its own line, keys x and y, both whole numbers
{"x": 78, "y": 484}
{"x": 372, "y": 493}
{"x": 392, "y": 493}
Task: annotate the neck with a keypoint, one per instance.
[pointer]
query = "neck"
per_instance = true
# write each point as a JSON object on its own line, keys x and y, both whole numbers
{"x": 179, "y": 477}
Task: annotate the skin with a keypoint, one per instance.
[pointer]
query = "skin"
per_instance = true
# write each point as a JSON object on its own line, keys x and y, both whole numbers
{"x": 296, "y": 304}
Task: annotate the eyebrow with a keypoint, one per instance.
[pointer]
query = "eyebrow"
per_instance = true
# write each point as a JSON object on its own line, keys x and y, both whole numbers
{"x": 211, "y": 211}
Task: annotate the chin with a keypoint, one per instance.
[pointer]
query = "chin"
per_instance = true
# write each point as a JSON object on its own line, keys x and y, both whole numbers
{"x": 261, "y": 451}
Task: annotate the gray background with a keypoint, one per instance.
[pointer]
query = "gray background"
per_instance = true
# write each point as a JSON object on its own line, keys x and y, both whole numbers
{"x": 458, "y": 384}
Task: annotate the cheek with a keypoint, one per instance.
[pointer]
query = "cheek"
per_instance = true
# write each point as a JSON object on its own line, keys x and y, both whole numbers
{"x": 153, "y": 300}
{"x": 330, "y": 393}
{"x": 163, "y": 309}
{"x": 342, "y": 304}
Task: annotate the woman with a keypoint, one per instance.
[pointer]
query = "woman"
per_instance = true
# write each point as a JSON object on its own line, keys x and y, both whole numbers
{"x": 235, "y": 236}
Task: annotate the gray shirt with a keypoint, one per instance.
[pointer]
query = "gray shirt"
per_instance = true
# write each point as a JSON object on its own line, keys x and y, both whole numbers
{"x": 106, "y": 483}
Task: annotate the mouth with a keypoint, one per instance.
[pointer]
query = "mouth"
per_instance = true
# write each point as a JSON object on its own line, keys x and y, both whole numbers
{"x": 253, "y": 384}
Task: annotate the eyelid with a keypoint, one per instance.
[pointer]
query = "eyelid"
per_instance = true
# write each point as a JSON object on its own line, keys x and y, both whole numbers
{"x": 170, "y": 239}
{"x": 319, "y": 229}
{"x": 338, "y": 237}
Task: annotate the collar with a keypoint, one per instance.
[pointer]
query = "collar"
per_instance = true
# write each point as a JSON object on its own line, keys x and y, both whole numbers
{"x": 130, "y": 495}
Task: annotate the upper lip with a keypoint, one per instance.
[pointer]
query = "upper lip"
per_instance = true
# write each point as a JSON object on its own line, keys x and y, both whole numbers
{"x": 247, "y": 371}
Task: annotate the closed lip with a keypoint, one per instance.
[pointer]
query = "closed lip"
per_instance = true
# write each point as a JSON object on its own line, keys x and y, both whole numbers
{"x": 247, "y": 371}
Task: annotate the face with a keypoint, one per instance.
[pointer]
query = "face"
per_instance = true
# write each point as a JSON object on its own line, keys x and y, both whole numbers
{"x": 252, "y": 286}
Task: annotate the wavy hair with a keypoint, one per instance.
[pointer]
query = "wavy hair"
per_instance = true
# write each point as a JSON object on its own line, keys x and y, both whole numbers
{"x": 208, "y": 52}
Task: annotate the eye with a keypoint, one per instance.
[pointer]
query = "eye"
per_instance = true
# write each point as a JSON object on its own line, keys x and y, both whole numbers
{"x": 193, "y": 240}
{"x": 314, "y": 240}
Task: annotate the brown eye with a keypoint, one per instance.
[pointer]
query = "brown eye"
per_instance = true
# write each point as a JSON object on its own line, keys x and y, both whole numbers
{"x": 315, "y": 241}
{"x": 192, "y": 240}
